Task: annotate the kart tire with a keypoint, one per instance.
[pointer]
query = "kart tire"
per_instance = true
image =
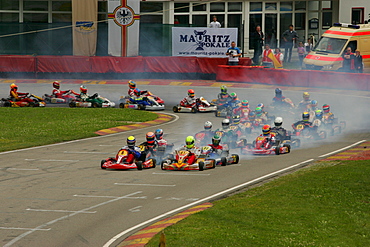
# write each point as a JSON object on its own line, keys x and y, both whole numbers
{"x": 201, "y": 165}
{"x": 223, "y": 161}
{"x": 101, "y": 164}
{"x": 139, "y": 165}
{"x": 121, "y": 105}
{"x": 332, "y": 132}
{"x": 287, "y": 146}
{"x": 31, "y": 104}
{"x": 236, "y": 158}
{"x": 217, "y": 114}
{"x": 193, "y": 110}
{"x": 141, "y": 107}
{"x": 72, "y": 104}
{"x": 162, "y": 165}
{"x": 95, "y": 105}
{"x": 175, "y": 109}
{"x": 277, "y": 150}
{"x": 154, "y": 163}
{"x": 7, "y": 104}
{"x": 245, "y": 142}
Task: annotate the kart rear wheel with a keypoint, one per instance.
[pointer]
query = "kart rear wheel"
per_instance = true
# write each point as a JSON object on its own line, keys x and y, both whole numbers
{"x": 141, "y": 107}
{"x": 217, "y": 114}
{"x": 201, "y": 165}
{"x": 121, "y": 105}
{"x": 72, "y": 104}
{"x": 162, "y": 165}
{"x": 101, "y": 164}
{"x": 322, "y": 134}
{"x": 154, "y": 163}
{"x": 287, "y": 146}
{"x": 175, "y": 109}
{"x": 139, "y": 165}
{"x": 277, "y": 150}
{"x": 236, "y": 158}
{"x": 95, "y": 105}
{"x": 223, "y": 161}
{"x": 7, "y": 104}
{"x": 193, "y": 110}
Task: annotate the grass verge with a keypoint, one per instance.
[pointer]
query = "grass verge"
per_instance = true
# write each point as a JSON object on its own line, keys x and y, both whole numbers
{"x": 27, "y": 127}
{"x": 324, "y": 205}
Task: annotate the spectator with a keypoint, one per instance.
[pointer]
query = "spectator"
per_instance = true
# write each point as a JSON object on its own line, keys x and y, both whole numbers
{"x": 257, "y": 39}
{"x": 348, "y": 60}
{"x": 279, "y": 56}
{"x": 301, "y": 53}
{"x": 308, "y": 46}
{"x": 266, "y": 61}
{"x": 289, "y": 37}
{"x": 234, "y": 53}
{"x": 359, "y": 66}
{"x": 214, "y": 23}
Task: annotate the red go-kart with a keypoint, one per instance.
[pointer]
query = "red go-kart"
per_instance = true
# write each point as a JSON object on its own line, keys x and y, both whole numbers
{"x": 120, "y": 163}
{"x": 263, "y": 147}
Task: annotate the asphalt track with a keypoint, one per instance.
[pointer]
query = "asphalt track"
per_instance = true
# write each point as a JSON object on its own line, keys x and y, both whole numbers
{"x": 57, "y": 195}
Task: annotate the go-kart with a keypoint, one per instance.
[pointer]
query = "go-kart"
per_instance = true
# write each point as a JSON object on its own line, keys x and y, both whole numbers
{"x": 223, "y": 109}
{"x": 262, "y": 147}
{"x": 156, "y": 152}
{"x": 286, "y": 139}
{"x": 66, "y": 98}
{"x": 148, "y": 102}
{"x": 333, "y": 126}
{"x": 285, "y": 107}
{"x": 202, "y": 105}
{"x": 223, "y": 159}
{"x": 35, "y": 101}
{"x": 178, "y": 162}
{"x": 309, "y": 132}
{"x": 120, "y": 163}
{"x": 204, "y": 137}
{"x": 94, "y": 101}
{"x": 231, "y": 139}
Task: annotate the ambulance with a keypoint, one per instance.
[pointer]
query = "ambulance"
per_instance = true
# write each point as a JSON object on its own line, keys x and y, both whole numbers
{"x": 327, "y": 53}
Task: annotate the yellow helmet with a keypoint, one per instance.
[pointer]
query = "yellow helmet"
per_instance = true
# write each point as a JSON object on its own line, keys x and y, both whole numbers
{"x": 306, "y": 95}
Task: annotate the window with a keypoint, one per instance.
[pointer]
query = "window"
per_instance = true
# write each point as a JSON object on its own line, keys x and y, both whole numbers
{"x": 234, "y": 7}
{"x": 199, "y": 7}
{"x": 62, "y": 6}
{"x": 327, "y": 19}
{"x": 182, "y": 20}
{"x": 181, "y": 7}
{"x": 286, "y": 6}
{"x": 9, "y": 17}
{"x": 300, "y": 21}
{"x": 102, "y": 6}
{"x": 255, "y": 6}
{"x": 57, "y": 17}
{"x": 199, "y": 21}
{"x": 35, "y": 17}
{"x": 151, "y": 19}
{"x": 300, "y": 5}
{"x": 217, "y": 7}
{"x": 9, "y": 5}
{"x": 326, "y": 5}
{"x": 146, "y": 7}
{"x": 330, "y": 45}
{"x": 357, "y": 15}
{"x": 270, "y": 6}
{"x": 313, "y": 5}
{"x": 35, "y": 5}
{"x": 254, "y": 21}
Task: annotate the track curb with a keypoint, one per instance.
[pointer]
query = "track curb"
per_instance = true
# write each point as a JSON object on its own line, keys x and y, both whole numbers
{"x": 358, "y": 152}
{"x": 142, "y": 237}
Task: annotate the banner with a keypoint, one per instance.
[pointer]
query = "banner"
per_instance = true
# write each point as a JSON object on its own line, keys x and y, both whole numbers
{"x": 84, "y": 17}
{"x": 202, "y": 42}
{"x": 123, "y": 27}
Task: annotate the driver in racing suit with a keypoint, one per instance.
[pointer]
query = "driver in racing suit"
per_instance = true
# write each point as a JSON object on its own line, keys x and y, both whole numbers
{"x": 279, "y": 98}
{"x": 133, "y": 151}
{"x": 260, "y": 114}
{"x": 216, "y": 147}
{"x": 190, "y": 101}
{"x": 270, "y": 138}
{"x": 150, "y": 145}
{"x": 138, "y": 98}
{"x": 208, "y": 133}
{"x": 190, "y": 146}
{"x": 17, "y": 96}
{"x": 243, "y": 111}
{"x": 328, "y": 116}
{"x": 223, "y": 97}
{"x": 302, "y": 106}
{"x": 305, "y": 121}
{"x": 59, "y": 93}
{"x": 281, "y": 133}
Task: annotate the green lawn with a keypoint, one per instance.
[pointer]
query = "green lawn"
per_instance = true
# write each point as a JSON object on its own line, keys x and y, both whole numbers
{"x": 27, "y": 127}
{"x": 327, "y": 204}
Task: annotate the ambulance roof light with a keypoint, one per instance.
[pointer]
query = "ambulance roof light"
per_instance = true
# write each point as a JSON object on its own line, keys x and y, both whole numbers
{"x": 346, "y": 25}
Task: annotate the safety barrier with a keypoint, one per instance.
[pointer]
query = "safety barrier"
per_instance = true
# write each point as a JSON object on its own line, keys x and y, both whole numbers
{"x": 298, "y": 78}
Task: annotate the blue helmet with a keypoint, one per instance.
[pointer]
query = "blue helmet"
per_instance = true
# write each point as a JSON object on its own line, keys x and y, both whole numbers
{"x": 158, "y": 134}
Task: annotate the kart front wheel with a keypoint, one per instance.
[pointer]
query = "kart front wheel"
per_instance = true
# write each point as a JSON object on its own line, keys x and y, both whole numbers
{"x": 95, "y": 105}
{"x": 101, "y": 164}
{"x": 193, "y": 110}
{"x": 201, "y": 166}
{"x": 154, "y": 162}
{"x": 121, "y": 105}
{"x": 175, "y": 109}
{"x": 277, "y": 150}
{"x": 223, "y": 161}
{"x": 287, "y": 146}
{"x": 139, "y": 165}
{"x": 236, "y": 158}
{"x": 72, "y": 104}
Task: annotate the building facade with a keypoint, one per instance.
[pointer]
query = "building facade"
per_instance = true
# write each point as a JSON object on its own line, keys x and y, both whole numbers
{"x": 310, "y": 18}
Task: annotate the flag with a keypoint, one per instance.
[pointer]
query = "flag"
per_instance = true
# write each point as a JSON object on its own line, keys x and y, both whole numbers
{"x": 276, "y": 63}
{"x": 84, "y": 20}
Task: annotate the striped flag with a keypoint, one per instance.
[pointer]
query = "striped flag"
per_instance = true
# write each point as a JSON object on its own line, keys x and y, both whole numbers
{"x": 276, "y": 63}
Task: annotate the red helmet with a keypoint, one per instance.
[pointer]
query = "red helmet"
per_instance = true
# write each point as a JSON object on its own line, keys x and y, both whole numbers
{"x": 266, "y": 130}
{"x": 150, "y": 138}
{"x": 13, "y": 86}
{"x": 191, "y": 93}
{"x": 326, "y": 108}
{"x": 56, "y": 84}
{"x": 83, "y": 89}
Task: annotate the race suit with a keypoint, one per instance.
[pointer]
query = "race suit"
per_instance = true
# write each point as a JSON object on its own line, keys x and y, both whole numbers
{"x": 17, "y": 96}
{"x": 84, "y": 96}
{"x": 217, "y": 149}
{"x": 149, "y": 148}
{"x": 306, "y": 124}
{"x": 189, "y": 101}
{"x": 303, "y": 105}
{"x": 194, "y": 152}
{"x": 278, "y": 99}
{"x": 281, "y": 133}
{"x": 328, "y": 118}
{"x": 263, "y": 117}
{"x": 243, "y": 112}
{"x": 133, "y": 153}
{"x": 58, "y": 93}
{"x": 208, "y": 134}
{"x": 269, "y": 141}
{"x": 223, "y": 98}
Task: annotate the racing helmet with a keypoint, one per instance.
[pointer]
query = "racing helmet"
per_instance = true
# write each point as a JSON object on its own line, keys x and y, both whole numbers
{"x": 216, "y": 140}
{"x": 252, "y": 114}
{"x": 305, "y": 116}
{"x": 313, "y": 103}
{"x": 245, "y": 104}
{"x": 137, "y": 92}
{"x": 208, "y": 125}
{"x": 131, "y": 84}
{"x": 189, "y": 141}
{"x": 150, "y": 138}
{"x": 261, "y": 105}
{"x": 266, "y": 130}
{"x": 258, "y": 111}
{"x": 158, "y": 134}
{"x": 318, "y": 114}
{"x": 13, "y": 86}
{"x": 326, "y": 108}
{"x": 56, "y": 85}
{"x": 83, "y": 89}
{"x": 233, "y": 96}
{"x": 236, "y": 119}
{"x": 278, "y": 121}
{"x": 278, "y": 92}
{"x": 191, "y": 93}
{"x": 306, "y": 95}
{"x": 131, "y": 141}
{"x": 223, "y": 89}
{"x": 225, "y": 123}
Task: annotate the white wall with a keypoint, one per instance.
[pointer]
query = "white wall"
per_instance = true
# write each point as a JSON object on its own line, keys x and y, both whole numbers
{"x": 345, "y": 9}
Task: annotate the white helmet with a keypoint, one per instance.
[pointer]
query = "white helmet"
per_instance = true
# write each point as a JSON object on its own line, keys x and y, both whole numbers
{"x": 208, "y": 125}
{"x": 278, "y": 121}
{"x": 225, "y": 123}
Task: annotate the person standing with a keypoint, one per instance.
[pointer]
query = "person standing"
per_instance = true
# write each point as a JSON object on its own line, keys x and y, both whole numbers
{"x": 234, "y": 53}
{"x": 301, "y": 53}
{"x": 214, "y": 23}
{"x": 359, "y": 66}
{"x": 289, "y": 36}
{"x": 257, "y": 38}
{"x": 348, "y": 60}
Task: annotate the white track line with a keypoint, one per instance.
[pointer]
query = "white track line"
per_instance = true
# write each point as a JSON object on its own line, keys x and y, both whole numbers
{"x": 135, "y": 209}
{"x": 22, "y": 169}
{"x": 180, "y": 174}
{"x": 95, "y": 137}
{"x": 206, "y": 199}
{"x": 60, "y": 211}
{"x": 52, "y": 160}
{"x": 14, "y": 240}
{"x": 23, "y": 229}
{"x": 341, "y": 149}
{"x": 77, "y": 152}
{"x": 128, "y": 197}
{"x": 151, "y": 185}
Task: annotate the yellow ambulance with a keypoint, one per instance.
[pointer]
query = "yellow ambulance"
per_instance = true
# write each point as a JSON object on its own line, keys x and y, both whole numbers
{"x": 327, "y": 53}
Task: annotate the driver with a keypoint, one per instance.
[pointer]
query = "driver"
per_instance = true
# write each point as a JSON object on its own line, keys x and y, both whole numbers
{"x": 312, "y": 106}
{"x": 278, "y": 96}
{"x": 305, "y": 102}
{"x": 190, "y": 146}
{"x": 208, "y": 133}
{"x": 17, "y": 96}
{"x": 83, "y": 93}
{"x": 150, "y": 145}
{"x": 133, "y": 151}
{"x": 234, "y": 102}
{"x": 56, "y": 92}
{"x": 328, "y": 116}
{"x": 132, "y": 87}
{"x": 243, "y": 111}
{"x": 189, "y": 101}
{"x": 270, "y": 138}
{"x": 305, "y": 121}
{"x": 223, "y": 97}
{"x": 138, "y": 98}
{"x": 319, "y": 114}
{"x": 261, "y": 114}
{"x": 281, "y": 133}
{"x": 216, "y": 147}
